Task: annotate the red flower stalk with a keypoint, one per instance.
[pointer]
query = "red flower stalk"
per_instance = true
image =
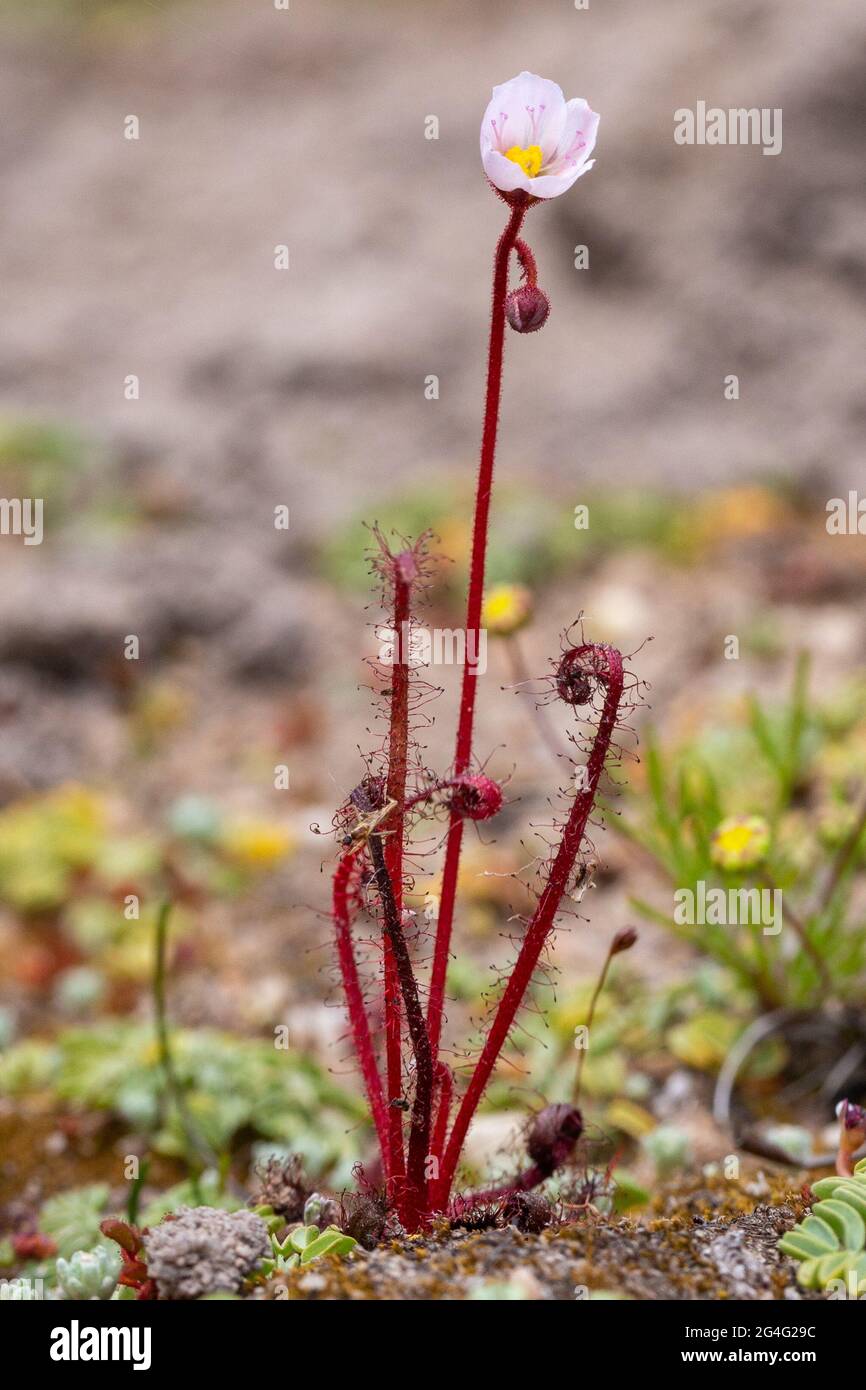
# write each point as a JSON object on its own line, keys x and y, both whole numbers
{"x": 412, "y": 1202}
{"x": 361, "y": 1036}
{"x": 484, "y": 488}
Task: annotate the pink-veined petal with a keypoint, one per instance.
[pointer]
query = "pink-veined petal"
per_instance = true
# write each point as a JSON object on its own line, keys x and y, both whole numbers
{"x": 578, "y": 136}
{"x": 527, "y": 110}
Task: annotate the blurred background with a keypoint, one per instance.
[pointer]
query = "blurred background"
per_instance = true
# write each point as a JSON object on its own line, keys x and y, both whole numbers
{"x": 257, "y": 388}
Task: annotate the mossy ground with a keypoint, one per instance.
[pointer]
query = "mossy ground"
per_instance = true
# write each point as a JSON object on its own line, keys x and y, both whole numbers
{"x": 706, "y": 1240}
{"x": 703, "y": 1238}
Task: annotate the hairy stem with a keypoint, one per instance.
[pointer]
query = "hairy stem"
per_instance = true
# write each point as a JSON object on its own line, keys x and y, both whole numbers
{"x": 398, "y": 745}
{"x": 413, "y": 1204}
{"x": 542, "y": 920}
{"x": 463, "y": 749}
{"x": 445, "y": 1083}
{"x": 361, "y": 1036}
{"x": 531, "y": 1177}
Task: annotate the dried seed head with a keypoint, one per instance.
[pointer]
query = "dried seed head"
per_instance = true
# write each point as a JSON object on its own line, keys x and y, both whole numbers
{"x": 530, "y": 1212}
{"x": 476, "y": 797}
{"x": 554, "y": 1133}
{"x": 279, "y": 1183}
{"x": 527, "y": 309}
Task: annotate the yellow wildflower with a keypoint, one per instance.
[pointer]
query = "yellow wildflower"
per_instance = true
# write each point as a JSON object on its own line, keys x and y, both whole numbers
{"x": 506, "y": 609}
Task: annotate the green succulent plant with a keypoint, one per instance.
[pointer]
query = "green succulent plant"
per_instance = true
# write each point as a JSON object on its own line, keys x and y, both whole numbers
{"x": 89, "y": 1273}
{"x": 303, "y": 1245}
{"x": 668, "y": 1148}
{"x": 72, "y": 1218}
{"x": 830, "y": 1242}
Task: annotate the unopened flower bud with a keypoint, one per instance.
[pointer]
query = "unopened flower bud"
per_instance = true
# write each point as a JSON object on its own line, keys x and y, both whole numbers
{"x": 852, "y": 1135}
{"x": 623, "y": 941}
{"x": 319, "y": 1210}
{"x": 852, "y": 1116}
{"x": 476, "y": 797}
{"x": 527, "y": 308}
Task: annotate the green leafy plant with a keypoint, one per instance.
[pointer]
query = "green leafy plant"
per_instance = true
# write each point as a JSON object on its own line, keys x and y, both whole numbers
{"x": 229, "y": 1084}
{"x": 72, "y": 1218}
{"x": 772, "y": 801}
{"x": 830, "y": 1242}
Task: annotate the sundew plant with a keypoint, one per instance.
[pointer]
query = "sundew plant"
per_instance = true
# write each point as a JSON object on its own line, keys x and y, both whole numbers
{"x": 535, "y": 145}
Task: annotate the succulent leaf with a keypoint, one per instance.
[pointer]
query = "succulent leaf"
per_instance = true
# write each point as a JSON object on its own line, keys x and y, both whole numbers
{"x": 330, "y": 1242}
{"x": 844, "y": 1220}
{"x": 830, "y": 1241}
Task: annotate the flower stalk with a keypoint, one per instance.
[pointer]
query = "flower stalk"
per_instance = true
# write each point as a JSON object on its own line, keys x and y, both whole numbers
{"x": 475, "y": 596}
{"x": 405, "y": 573}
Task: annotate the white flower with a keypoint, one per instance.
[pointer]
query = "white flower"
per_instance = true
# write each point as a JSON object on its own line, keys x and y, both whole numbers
{"x": 535, "y": 140}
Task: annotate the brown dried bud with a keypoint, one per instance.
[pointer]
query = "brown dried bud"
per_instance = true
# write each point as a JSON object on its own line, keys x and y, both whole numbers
{"x": 624, "y": 940}
{"x": 527, "y": 309}
{"x": 555, "y": 1131}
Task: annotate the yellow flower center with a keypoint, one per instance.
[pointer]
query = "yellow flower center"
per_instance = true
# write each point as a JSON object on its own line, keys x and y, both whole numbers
{"x": 530, "y": 159}
{"x": 736, "y": 839}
